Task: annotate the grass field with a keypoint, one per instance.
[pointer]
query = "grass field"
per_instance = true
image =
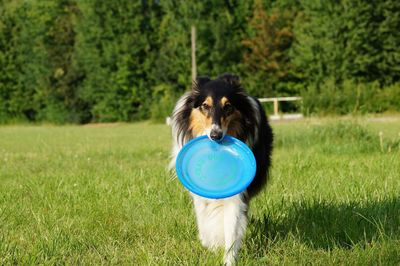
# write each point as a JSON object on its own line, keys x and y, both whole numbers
{"x": 99, "y": 194}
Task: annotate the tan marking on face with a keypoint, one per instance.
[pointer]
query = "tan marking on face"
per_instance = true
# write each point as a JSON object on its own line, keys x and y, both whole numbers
{"x": 224, "y": 101}
{"x": 233, "y": 124}
{"x": 199, "y": 122}
{"x": 209, "y": 101}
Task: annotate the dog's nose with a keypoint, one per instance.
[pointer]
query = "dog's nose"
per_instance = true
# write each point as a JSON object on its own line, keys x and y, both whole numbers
{"x": 216, "y": 135}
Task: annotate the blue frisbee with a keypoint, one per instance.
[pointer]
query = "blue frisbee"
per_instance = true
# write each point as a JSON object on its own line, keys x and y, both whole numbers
{"x": 214, "y": 169}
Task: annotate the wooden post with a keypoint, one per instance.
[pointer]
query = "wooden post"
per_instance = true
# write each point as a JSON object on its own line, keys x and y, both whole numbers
{"x": 194, "y": 67}
{"x": 276, "y": 108}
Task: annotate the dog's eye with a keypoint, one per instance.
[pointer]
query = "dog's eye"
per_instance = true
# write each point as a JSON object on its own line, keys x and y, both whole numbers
{"x": 228, "y": 109}
{"x": 205, "y": 107}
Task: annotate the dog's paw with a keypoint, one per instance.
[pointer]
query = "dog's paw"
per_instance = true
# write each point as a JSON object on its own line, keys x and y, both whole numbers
{"x": 210, "y": 245}
{"x": 229, "y": 259}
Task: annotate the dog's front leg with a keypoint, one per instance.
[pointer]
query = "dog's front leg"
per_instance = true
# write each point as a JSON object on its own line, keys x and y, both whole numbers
{"x": 200, "y": 209}
{"x": 210, "y": 221}
{"x": 235, "y": 222}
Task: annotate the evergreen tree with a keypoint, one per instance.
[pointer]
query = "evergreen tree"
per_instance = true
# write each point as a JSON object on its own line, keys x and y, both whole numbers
{"x": 11, "y": 101}
{"x": 25, "y": 56}
{"x": 114, "y": 46}
{"x": 372, "y": 39}
{"x": 267, "y": 61}
{"x": 318, "y": 50}
{"x": 221, "y": 27}
{"x": 173, "y": 58}
{"x": 60, "y": 96}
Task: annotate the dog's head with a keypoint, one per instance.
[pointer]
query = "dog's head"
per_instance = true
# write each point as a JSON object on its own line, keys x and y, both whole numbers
{"x": 216, "y": 107}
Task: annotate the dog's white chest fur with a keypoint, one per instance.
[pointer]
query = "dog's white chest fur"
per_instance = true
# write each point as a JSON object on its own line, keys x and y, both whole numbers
{"x": 221, "y": 223}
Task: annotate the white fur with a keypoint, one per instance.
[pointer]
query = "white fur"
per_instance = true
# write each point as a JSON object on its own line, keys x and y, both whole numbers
{"x": 221, "y": 223}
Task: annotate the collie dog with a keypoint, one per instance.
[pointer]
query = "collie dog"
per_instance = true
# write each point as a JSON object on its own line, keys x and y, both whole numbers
{"x": 215, "y": 108}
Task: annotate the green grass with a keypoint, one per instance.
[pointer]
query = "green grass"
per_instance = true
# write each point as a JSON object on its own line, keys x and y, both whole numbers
{"x": 100, "y": 195}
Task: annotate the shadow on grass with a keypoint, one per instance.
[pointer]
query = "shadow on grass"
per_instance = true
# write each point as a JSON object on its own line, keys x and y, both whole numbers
{"x": 325, "y": 225}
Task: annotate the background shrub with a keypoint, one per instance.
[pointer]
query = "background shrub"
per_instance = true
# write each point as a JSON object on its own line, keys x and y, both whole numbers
{"x": 67, "y": 61}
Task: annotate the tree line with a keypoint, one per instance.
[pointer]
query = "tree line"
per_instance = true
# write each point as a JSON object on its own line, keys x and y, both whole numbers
{"x": 70, "y": 61}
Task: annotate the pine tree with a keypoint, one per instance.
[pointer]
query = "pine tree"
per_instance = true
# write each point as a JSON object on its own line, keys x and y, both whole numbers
{"x": 318, "y": 50}
{"x": 115, "y": 50}
{"x": 10, "y": 104}
{"x": 372, "y": 41}
{"x": 266, "y": 59}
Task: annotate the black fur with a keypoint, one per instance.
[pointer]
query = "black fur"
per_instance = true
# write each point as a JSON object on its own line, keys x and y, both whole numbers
{"x": 253, "y": 122}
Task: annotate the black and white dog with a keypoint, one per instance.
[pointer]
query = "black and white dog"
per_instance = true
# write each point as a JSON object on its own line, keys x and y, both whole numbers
{"x": 215, "y": 108}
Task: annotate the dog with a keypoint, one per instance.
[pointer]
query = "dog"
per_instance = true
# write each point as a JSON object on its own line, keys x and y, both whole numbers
{"x": 216, "y": 108}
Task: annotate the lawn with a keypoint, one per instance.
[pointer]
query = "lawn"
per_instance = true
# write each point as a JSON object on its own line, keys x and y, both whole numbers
{"x": 100, "y": 194}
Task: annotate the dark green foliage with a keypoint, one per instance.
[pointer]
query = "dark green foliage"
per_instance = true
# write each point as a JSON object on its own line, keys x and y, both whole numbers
{"x": 116, "y": 53}
{"x": 41, "y": 80}
{"x": 68, "y": 61}
{"x": 351, "y": 98}
{"x": 372, "y": 42}
{"x": 60, "y": 100}
{"x": 172, "y": 65}
{"x": 166, "y": 99}
{"x": 8, "y": 65}
{"x": 346, "y": 55}
{"x": 267, "y": 59}
{"x": 221, "y": 27}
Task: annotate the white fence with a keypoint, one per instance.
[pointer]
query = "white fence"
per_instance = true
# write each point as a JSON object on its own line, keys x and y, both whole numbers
{"x": 276, "y": 100}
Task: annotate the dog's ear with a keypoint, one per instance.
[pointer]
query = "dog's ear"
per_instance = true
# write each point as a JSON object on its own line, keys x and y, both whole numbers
{"x": 199, "y": 83}
{"x": 231, "y": 79}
